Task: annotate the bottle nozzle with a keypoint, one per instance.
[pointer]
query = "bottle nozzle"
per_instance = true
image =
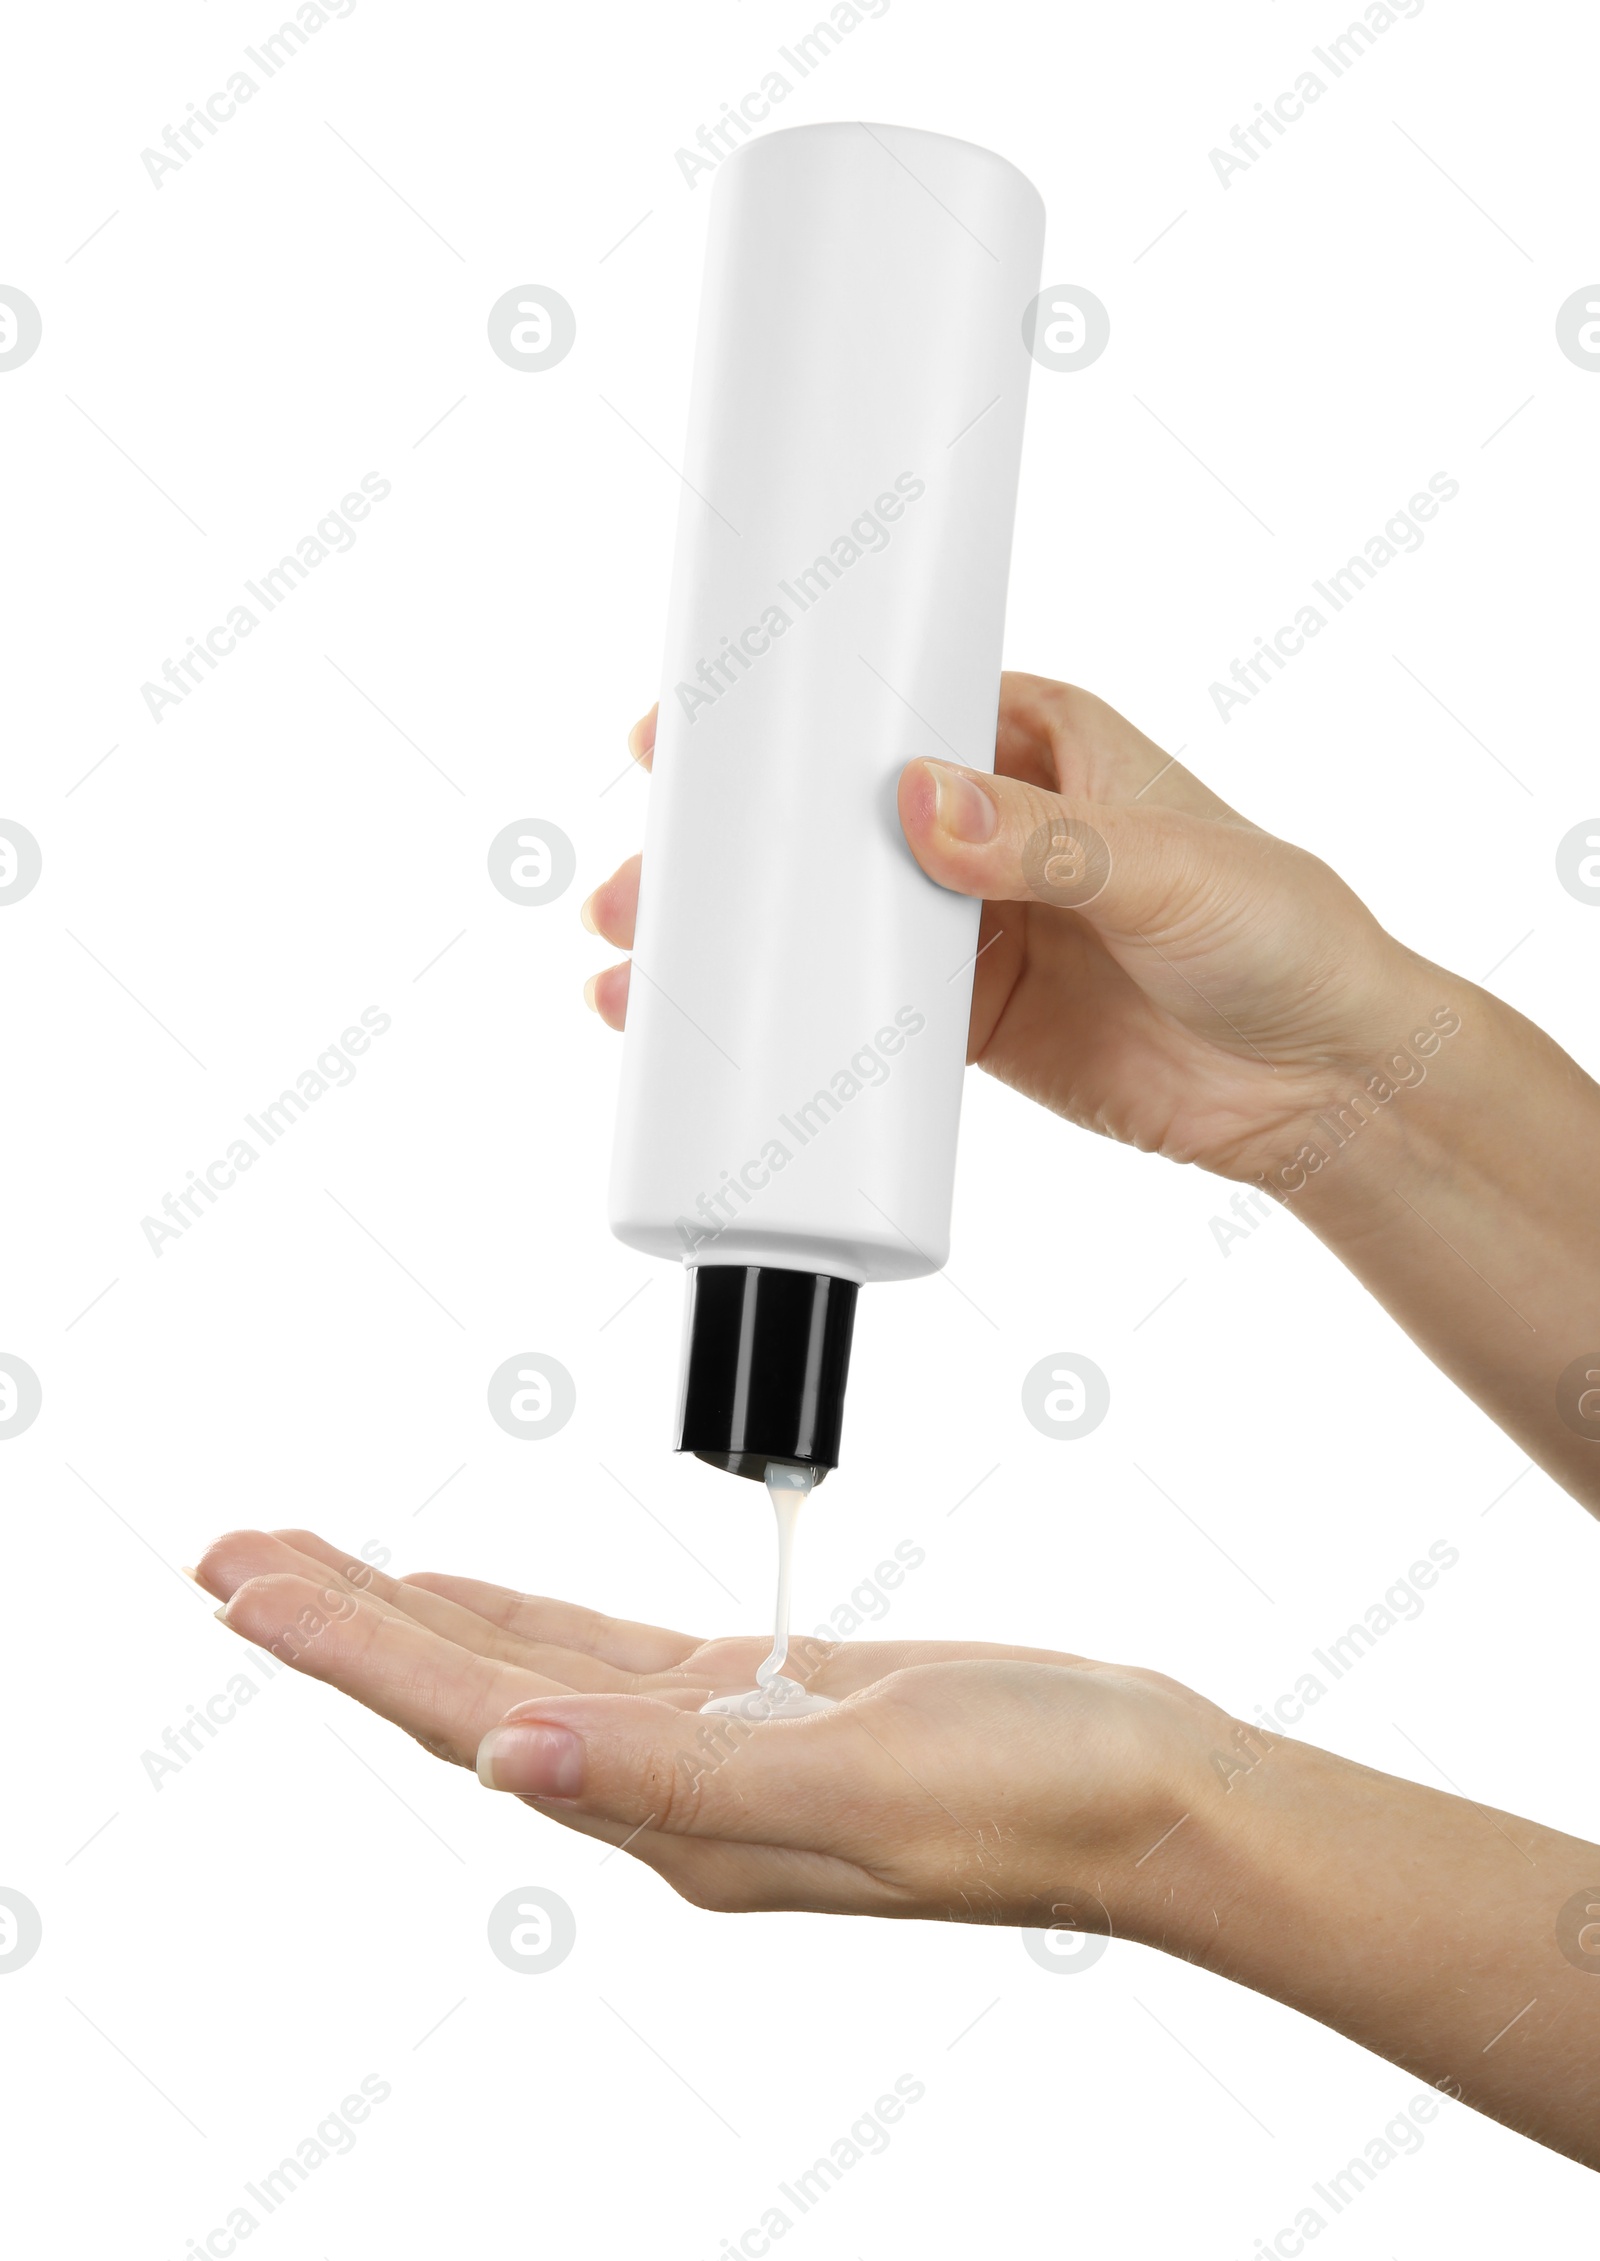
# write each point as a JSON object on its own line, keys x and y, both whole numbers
{"x": 766, "y": 1356}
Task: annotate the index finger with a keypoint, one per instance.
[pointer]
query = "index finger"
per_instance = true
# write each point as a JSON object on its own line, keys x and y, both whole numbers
{"x": 1067, "y": 741}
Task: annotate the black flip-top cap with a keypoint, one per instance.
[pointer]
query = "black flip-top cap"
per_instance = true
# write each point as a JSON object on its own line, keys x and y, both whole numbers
{"x": 766, "y": 1354}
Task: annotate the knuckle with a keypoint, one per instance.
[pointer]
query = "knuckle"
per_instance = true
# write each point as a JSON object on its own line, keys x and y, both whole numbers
{"x": 1065, "y": 860}
{"x": 676, "y": 1790}
{"x": 1072, "y": 709}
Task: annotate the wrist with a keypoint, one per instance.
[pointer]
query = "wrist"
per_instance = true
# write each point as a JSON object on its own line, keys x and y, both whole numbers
{"x": 1213, "y": 1847}
{"x": 1127, "y": 1792}
{"x": 1149, "y": 1861}
{"x": 1406, "y": 1109}
{"x": 1418, "y": 1924}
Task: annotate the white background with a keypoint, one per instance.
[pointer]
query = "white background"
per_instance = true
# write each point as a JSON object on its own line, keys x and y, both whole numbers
{"x": 232, "y": 1952}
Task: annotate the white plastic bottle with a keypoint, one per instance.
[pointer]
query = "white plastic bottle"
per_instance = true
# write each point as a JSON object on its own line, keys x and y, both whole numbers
{"x": 797, "y": 1016}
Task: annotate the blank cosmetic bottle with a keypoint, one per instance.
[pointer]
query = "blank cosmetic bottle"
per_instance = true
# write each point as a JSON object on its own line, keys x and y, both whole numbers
{"x": 797, "y": 1015}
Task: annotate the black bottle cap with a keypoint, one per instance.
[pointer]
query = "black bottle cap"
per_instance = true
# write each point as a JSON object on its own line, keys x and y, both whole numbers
{"x": 766, "y": 1353}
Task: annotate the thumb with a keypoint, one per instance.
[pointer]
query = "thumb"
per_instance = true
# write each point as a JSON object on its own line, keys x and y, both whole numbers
{"x": 1000, "y": 838}
{"x": 636, "y": 1760}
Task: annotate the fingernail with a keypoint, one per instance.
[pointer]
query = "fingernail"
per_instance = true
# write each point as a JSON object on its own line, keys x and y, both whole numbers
{"x": 540, "y": 1762}
{"x": 588, "y": 993}
{"x": 586, "y": 912}
{"x": 962, "y": 808}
